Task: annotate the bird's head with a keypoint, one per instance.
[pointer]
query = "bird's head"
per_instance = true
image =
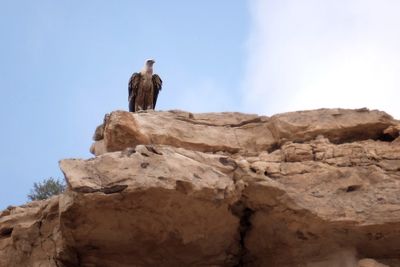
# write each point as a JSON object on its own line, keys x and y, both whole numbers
{"x": 150, "y": 62}
{"x": 148, "y": 66}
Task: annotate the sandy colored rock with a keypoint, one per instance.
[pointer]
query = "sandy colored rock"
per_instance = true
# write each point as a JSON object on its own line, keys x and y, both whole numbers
{"x": 309, "y": 206}
{"x": 163, "y": 201}
{"x": 30, "y": 234}
{"x": 237, "y": 132}
{"x": 309, "y": 189}
{"x": 370, "y": 263}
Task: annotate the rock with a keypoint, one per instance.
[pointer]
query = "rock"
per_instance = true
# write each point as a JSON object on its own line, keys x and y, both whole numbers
{"x": 312, "y": 188}
{"x": 370, "y": 263}
{"x": 307, "y": 207}
{"x": 170, "y": 202}
{"x": 392, "y": 131}
{"x": 236, "y": 132}
{"x": 30, "y": 234}
{"x": 99, "y": 133}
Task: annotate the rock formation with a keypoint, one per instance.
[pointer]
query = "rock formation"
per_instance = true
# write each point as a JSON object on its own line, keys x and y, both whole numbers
{"x": 314, "y": 188}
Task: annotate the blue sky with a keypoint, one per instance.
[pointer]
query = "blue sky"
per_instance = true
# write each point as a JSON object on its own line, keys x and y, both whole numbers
{"x": 64, "y": 64}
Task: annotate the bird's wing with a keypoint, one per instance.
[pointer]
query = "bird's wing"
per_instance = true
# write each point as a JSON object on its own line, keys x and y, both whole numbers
{"x": 157, "y": 84}
{"x": 133, "y": 86}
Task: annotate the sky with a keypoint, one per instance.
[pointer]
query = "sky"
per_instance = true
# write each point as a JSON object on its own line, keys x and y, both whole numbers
{"x": 64, "y": 64}
{"x": 307, "y": 54}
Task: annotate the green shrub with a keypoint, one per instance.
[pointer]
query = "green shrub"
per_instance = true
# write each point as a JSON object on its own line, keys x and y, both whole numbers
{"x": 49, "y": 187}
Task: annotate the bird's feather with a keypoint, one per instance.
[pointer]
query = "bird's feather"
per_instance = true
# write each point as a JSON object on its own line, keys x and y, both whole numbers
{"x": 133, "y": 87}
{"x": 157, "y": 85}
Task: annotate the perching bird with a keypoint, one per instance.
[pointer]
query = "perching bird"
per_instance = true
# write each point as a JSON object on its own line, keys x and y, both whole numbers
{"x": 143, "y": 88}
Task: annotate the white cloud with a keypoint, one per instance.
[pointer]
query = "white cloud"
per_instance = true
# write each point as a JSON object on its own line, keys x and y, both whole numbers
{"x": 311, "y": 54}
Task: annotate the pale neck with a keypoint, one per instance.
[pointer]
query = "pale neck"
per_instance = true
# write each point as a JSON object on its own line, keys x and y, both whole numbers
{"x": 147, "y": 70}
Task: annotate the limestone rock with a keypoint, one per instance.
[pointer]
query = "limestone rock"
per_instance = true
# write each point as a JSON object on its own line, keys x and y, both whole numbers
{"x": 236, "y": 132}
{"x": 30, "y": 234}
{"x": 322, "y": 198}
{"x": 150, "y": 206}
{"x": 310, "y": 189}
{"x": 370, "y": 263}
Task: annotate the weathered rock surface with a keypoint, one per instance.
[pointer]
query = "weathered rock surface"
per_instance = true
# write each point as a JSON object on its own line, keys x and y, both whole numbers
{"x": 30, "y": 234}
{"x": 237, "y": 132}
{"x": 151, "y": 206}
{"x": 314, "y": 188}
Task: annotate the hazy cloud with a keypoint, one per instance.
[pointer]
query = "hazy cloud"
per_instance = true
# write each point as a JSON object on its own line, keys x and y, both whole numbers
{"x": 311, "y": 54}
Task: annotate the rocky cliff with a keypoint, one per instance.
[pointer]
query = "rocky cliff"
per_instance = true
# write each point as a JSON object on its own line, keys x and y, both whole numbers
{"x": 310, "y": 188}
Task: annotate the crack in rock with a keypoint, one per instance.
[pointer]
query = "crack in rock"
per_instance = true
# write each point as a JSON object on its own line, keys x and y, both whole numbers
{"x": 244, "y": 213}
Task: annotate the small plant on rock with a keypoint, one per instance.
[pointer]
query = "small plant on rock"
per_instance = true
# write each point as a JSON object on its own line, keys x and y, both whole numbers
{"x": 47, "y": 188}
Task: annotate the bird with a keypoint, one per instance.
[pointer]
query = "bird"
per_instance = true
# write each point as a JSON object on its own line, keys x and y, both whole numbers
{"x": 143, "y": 88}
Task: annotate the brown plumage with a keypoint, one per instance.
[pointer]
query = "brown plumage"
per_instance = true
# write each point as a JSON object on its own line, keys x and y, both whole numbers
{"x": 143, "y": 88}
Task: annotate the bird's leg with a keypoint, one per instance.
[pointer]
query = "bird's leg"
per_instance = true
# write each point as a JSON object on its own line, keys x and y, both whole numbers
{"x": 140, "y": 109}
